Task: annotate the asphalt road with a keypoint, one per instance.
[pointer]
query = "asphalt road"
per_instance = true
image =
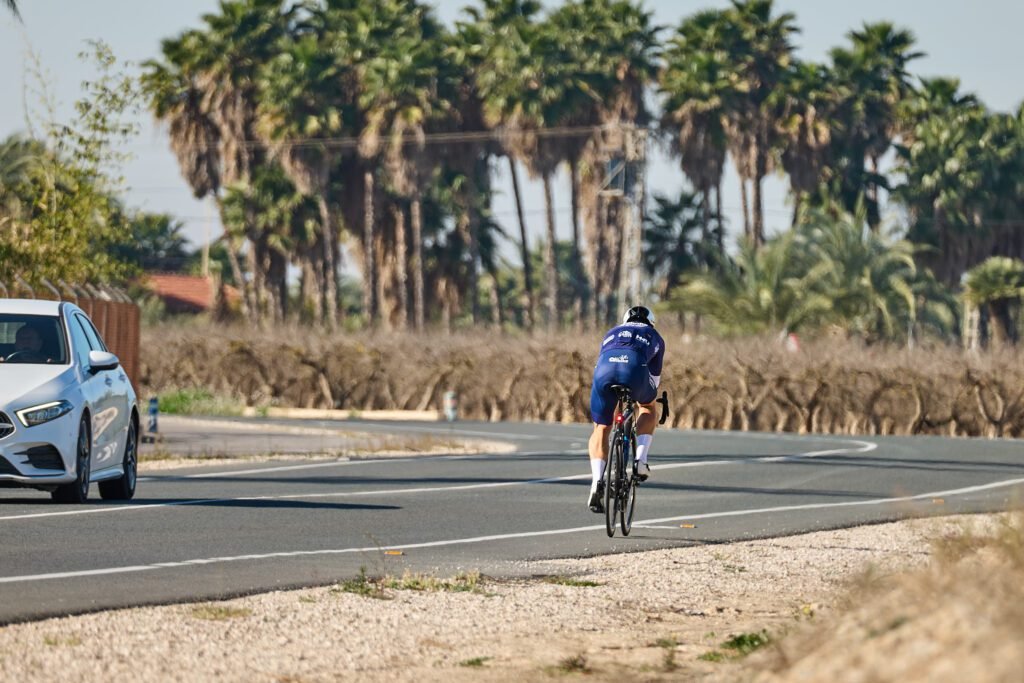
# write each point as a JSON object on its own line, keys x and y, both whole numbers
{"x": 211, "y": 532}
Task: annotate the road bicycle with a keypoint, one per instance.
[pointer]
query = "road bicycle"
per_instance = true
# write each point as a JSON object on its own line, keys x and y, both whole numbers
{"x": 620, "y": 477}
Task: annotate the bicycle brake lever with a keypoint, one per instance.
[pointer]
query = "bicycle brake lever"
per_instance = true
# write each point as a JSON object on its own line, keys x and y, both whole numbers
{"x": 664, "y": 407}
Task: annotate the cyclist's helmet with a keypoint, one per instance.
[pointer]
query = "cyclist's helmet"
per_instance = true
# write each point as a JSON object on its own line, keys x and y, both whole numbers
{"x": 640, "y": 314}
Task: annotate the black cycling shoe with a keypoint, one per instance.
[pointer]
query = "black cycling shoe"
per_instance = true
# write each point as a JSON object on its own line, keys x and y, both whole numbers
{"x": 597, "y": 499}
{"x": 643, "y": 471}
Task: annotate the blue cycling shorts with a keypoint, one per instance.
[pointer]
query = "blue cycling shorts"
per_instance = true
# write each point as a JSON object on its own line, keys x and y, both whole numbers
{"x": 619, "y": 366}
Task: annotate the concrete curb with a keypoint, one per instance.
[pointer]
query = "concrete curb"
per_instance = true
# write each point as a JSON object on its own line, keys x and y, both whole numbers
{"x": 323, "y": 414}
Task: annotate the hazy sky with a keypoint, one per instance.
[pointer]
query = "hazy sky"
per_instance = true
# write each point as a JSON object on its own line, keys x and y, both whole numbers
{"x": 978, "y": 42}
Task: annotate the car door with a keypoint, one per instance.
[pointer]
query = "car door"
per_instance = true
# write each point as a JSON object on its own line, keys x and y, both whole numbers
{"x": 92, "y": 387}
{"x": 109, "y": 417}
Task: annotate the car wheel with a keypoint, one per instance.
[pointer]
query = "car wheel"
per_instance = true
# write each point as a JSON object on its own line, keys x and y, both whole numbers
{"x": 78, "y": 490}
{"x": 123, "y": 488}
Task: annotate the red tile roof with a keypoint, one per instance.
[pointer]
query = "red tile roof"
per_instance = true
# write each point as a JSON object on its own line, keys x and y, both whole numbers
{"x": 183, "y": 292}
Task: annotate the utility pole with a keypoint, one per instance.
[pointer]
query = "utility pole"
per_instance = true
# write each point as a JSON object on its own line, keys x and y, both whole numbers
{"x": 625, "y": 154}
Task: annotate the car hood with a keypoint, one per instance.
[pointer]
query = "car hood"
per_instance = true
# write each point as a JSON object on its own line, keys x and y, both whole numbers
{"x": 22, "y": 385}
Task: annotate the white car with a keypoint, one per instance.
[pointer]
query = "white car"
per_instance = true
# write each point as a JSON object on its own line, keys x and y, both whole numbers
{"x": 68, "y": 413}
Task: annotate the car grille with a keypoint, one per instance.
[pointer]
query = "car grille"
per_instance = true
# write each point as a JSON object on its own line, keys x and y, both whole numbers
{"x": 6, "y": 426}
{"x": 6, "y": 467}
{"x": 44, "y": 457}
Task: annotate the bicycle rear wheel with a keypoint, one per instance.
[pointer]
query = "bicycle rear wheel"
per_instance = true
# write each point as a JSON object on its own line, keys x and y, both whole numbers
{"x": 627, "y": 503}
{"x": 612, "y": 477}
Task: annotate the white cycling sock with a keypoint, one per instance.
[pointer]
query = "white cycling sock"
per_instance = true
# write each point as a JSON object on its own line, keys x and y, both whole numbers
{"x": 596, "y": 472}
{"x": 643, "y": 444}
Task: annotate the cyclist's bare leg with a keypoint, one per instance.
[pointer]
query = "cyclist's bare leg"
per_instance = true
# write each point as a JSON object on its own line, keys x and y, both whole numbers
{"x": 647, "y": 420}
{"x": 598, "y": 448}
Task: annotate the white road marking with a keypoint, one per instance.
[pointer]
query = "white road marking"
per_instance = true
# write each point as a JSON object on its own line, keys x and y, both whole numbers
{"x": 500, "y": 537}
{"x": 450, "y": 430}
{"x": 863, "y": 447}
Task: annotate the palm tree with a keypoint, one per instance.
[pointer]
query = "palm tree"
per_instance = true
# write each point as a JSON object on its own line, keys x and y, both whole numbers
{"x": 757, "y": 291}
{"x": 697, "y": 93}
{"x": 997, "y": 284}
{"x": 496, "y": 41}
{"x": 405, "y": 89}
{"x": 676, "y": 240}
{"x": 952, "y": 172}
{"x": 869, "y": 279}
{"x": 523, "y": 93}
{"x": 758, "y": 47}
{"x": 609, "y": 52}
{"x": 873, "y": 78}
{"x": 807, "y": 125}
{"x": 304, "y": 101}
{"x": 206, "y": 89}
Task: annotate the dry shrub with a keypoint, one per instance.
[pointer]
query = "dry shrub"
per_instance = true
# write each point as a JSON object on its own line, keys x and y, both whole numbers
{"x": 829, "y": 386}
{"x": 959, "y": 619}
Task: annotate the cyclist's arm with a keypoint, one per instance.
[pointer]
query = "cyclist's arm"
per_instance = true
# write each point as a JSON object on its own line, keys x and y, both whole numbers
{"x": 656, "y": 363}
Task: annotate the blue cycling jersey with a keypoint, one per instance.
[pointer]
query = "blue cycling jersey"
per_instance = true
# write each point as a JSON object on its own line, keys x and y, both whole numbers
{"x": 631, "y": 355}
{"x": 638, "y": 337}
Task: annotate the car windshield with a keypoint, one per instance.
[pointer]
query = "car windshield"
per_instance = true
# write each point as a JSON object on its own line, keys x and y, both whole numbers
{"x": 37, "y": 339}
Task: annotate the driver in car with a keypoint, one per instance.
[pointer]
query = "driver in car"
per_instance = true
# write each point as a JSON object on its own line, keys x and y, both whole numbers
{"x": 28, "y": 346}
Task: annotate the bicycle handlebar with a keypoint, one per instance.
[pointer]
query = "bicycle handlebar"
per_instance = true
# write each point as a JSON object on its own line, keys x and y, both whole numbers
{"x": 664, "y": 407}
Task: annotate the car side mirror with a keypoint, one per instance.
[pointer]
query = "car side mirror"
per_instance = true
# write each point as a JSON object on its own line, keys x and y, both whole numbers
{"x": 102, "y": 360}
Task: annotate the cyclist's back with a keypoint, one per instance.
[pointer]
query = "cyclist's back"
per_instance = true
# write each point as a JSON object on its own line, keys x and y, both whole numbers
{"x": 631, "y": 355}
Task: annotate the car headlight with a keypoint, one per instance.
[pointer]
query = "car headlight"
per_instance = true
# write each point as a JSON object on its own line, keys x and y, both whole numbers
{"x": 37, "y": 415}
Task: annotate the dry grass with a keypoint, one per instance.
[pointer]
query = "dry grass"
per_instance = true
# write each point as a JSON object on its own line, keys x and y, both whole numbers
{"x": 379, "y": 588}
{"x": 830, "y": 386}
{"x": 220, "y": 612}
{"x": 960, "y": 618}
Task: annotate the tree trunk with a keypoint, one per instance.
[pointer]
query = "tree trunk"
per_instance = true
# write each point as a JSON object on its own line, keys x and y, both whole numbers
{"x": 746, "y": 209}
{"x": 474, "y": 246}
{"x": 1002, "y": 333}
{"x": 798, "y": 198}
{"x": 369, "y": 260}
{"x": 550, "y": 267}
{"x": 577, "y": 260}
{"x": 240, "y": 282}
{"x": 497, "y": 314}
{"x": 761, "y": 171}
{"x": 874, "y": 215}
{"x": 310, "y": 288}
{"x": 719, "y": 225}
{"x": 330, "y": 296}
{"x": 402, "y": 264}
{"x": 529, "y": 305}
{"x": 417, "y": 261}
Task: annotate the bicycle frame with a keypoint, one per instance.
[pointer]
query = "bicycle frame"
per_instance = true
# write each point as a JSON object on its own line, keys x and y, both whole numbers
{"x": 620, "y": 475}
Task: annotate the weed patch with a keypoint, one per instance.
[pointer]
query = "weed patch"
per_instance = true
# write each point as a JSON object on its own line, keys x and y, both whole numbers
{"x": 58, "y": 641}
{"x": 745, "y": 643}
{"x": 220, "y": 612}
{"x": 576, "y": 664}
{"x": 362, "y": 585}
{"x": 475, "y": 662}
{"x": 197, "y": 401}
{"x": 461, "y": 583}
{"x": 570, "y": 581}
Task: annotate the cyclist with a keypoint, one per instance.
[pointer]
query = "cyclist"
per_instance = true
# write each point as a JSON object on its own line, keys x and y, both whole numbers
{"x": 632, "y": 354}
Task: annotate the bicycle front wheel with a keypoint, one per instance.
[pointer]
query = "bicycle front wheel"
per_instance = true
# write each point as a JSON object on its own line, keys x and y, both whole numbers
{"x": 612, "y": 478}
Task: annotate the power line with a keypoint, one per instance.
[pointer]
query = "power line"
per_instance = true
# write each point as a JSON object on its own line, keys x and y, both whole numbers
{"x": 494, "y": 135}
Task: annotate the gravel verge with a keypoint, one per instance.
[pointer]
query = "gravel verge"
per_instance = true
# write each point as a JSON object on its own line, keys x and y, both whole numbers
{"x": 657, "y": 615}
